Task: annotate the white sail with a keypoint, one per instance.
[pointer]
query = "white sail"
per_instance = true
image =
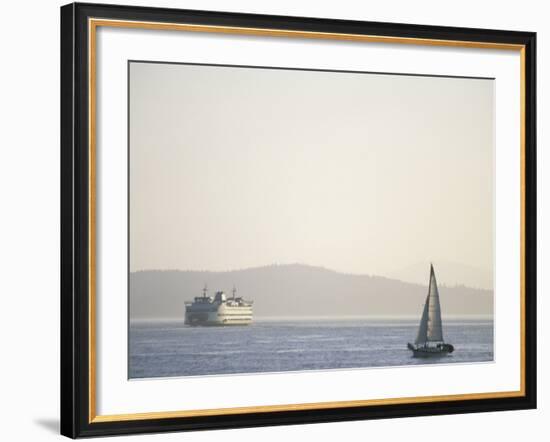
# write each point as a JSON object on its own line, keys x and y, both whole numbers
{"x": 430, "y": 329}
{"x": 422, "y": 336}
{"x": 434, "y": 332}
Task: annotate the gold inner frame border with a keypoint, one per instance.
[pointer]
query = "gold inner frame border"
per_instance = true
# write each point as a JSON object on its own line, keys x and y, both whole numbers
{"x": 93, "y": 24}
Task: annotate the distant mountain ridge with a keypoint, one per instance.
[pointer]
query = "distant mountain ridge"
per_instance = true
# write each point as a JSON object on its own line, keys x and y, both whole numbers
{"x": 449, "y": 273}
{"x": 298, "y": 290}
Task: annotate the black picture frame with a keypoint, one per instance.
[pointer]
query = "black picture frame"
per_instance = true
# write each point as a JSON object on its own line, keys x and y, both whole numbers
{"x": 75, "y": 220}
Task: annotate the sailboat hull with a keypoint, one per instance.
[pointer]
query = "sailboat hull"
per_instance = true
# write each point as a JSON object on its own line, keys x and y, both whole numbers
{"x": 430, "y": 352}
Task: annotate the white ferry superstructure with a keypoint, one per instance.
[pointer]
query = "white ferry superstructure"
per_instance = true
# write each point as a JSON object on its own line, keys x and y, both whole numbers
{"x": 219, "y": 310}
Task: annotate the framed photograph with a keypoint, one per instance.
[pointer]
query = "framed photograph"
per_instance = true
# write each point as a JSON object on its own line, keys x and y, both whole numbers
{"x": 273, "y": 220}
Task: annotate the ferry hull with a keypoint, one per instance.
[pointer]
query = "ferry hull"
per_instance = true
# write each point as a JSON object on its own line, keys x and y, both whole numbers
{"x": 217, "y": 324}
{"x": 219, "y": 317}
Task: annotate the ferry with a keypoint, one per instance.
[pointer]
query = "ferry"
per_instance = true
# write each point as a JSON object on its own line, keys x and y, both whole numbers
{"x": 219, "y": 310}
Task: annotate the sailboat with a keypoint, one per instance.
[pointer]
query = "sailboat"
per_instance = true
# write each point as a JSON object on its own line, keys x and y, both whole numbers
{"x": 429, "y": 341}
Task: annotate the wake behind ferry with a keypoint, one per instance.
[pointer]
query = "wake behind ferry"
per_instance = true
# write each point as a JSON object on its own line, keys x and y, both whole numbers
{"x": 218, "y": 310}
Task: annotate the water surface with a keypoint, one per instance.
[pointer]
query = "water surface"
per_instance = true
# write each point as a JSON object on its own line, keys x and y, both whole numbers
{"x": 170, "y": 348}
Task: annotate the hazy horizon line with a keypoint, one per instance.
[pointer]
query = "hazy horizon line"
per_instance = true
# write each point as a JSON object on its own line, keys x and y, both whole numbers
{"x": 473, "y": 316}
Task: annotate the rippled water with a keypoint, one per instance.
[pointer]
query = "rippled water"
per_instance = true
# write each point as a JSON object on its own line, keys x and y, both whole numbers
{"x": 161, "y": 349}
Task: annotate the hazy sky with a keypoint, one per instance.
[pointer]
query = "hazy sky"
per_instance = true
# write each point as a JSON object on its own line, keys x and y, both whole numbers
{"x": 361, "y": 173}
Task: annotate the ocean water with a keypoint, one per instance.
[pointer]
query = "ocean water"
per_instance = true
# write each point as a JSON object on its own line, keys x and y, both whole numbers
{"x": 169, "y": 348}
